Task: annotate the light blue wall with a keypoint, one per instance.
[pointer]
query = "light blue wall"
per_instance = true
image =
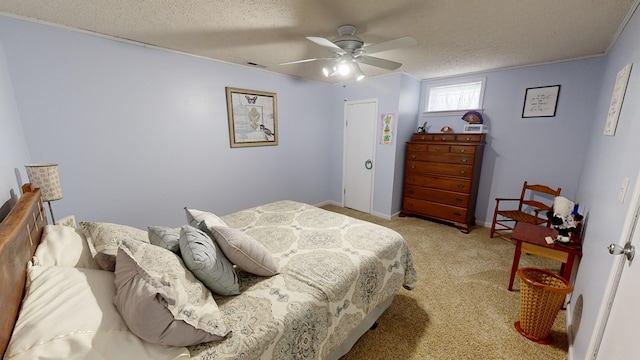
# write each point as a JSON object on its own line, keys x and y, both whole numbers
{"x": 13, "y": 146}
{"x": 140, "y": 133}
{"x": 409, "y": 113}
{"x": 609, "y": 159}
{"x": 546, "y": 150}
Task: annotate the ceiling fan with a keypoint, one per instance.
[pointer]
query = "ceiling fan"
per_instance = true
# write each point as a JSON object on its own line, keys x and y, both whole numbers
{"x": 349, "y": 52}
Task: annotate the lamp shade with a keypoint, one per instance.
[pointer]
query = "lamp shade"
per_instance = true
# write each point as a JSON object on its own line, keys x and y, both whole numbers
{"x": 45, "y": 177}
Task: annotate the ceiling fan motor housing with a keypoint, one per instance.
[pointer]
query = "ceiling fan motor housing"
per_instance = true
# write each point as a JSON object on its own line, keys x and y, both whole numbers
{"x": 347, "y": 40}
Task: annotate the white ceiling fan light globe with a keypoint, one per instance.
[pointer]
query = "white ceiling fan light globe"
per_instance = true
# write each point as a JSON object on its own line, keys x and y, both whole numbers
{"x": 358, "y": 72}
{"x": 344, "y": 69}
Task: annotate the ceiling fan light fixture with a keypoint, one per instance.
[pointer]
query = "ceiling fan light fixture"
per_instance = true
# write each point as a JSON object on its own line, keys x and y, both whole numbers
{"x": 330, "y": 70}
{"x": 358, "y": 72}
{"x": 344, "y": 68}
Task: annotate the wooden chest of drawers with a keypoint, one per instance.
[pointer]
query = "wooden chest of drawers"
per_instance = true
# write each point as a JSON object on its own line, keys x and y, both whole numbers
{"x": 442, "y": 174}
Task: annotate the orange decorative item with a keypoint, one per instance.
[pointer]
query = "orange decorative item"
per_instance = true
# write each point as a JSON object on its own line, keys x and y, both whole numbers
{"x": 446, "y": 129}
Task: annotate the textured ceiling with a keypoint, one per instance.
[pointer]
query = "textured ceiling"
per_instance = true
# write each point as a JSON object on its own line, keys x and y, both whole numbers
{"x": 454, "y": 36}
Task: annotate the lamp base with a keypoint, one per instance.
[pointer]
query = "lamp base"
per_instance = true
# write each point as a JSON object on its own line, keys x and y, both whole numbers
{"x": 53, "y": 220}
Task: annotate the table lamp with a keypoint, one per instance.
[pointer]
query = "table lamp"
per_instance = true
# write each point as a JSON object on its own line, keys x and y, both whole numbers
{"x": 45, "y": 177}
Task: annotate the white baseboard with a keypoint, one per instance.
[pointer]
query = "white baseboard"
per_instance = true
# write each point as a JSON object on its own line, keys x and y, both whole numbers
{"x": 328, "y": 202}
{"x": 335, "y": 203}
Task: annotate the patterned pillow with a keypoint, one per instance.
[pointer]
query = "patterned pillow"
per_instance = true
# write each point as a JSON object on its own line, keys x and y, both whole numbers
{"x": 207, "y": 262}
{"x": 161, "y": 301}
{"x": 194, "y": 217}
{"x": 104, "y": 238}
{"x": 165, "y": 237}
{"x": 243, "y": 250}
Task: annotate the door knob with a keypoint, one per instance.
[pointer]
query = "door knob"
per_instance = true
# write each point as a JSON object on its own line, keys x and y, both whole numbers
{"x": 628, "y": 250}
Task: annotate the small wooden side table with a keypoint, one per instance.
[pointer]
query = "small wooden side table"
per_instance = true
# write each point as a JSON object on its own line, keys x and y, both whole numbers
{"x": 529, "y": 239}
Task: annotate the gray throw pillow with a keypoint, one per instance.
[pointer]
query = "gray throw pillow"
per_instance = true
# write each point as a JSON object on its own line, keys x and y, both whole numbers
{"x": 243, "y": 250}
{"x": 194, "y": 217}
{"x": 161, "y": 301}
{"x": 165, "y": 237}
{"x": 207, "y": 262}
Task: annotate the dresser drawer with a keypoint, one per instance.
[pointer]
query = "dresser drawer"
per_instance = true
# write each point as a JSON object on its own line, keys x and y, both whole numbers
{"x": 417, "y": 147}
{"x": 469, "y": 137}
{"x": 465, "y": 171}
{"x": 448, "y": 158}
{"x": 438, "y": 196}
{"x": 422, "y": 137}
{"x": 438, "y": 148}
{"x": 462, "y": 149}
{"x": 444, "y": 137}
{"x": 435, "y": 210}
{"x": 442, "y": 183}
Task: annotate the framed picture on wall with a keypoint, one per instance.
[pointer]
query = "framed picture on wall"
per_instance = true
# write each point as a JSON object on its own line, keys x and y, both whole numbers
{"x": 253, "y": 117}
{"x": 541, "y": 101}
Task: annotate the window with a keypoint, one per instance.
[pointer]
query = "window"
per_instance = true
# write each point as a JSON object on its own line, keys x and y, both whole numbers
{"x": 455, "y": 98}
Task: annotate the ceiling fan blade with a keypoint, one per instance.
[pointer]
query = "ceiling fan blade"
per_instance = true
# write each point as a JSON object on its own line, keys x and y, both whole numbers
{"x": 327, "y": 43}
{"x": 381, "y": 63}
{"x": 405, "y": 41}
{"x": 304, "y": 61}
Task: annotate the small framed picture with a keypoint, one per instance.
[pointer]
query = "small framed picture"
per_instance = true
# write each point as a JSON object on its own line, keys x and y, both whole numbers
{"x": 541, "y": 101}
{"x": 474, "y": 128}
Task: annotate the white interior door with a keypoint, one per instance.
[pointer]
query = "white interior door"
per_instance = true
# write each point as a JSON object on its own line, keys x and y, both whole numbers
{"x": 617, "y": 333}
{"x": 359, "y": 154}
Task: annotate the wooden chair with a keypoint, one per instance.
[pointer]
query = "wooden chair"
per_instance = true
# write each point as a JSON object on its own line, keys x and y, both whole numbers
{"x": 532, "y": 207}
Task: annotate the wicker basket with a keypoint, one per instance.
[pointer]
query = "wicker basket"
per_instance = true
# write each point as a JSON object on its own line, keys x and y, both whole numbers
{"x": 542, "y": 294}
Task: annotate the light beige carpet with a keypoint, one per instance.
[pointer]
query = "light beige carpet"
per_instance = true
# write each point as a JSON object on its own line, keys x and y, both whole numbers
{"x": 461, "y": 308}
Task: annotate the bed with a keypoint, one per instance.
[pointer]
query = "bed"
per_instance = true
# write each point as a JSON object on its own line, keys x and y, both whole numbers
{"x": 335, "y": 276}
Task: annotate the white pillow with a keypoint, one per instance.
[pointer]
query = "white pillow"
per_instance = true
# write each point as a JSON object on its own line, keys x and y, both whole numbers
{"x": 64, "y": 246}
{"x": 68, "y": 313}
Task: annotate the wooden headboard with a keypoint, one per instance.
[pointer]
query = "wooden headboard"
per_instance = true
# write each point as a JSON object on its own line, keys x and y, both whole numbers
{"x": 20, "y": 234}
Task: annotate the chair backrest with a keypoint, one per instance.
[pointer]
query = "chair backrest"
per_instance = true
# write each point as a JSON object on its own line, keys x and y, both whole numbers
{"x": 533, "y": 194}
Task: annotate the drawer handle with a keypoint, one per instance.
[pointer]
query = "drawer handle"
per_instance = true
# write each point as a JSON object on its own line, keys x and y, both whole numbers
{"x": 463, "y": 160}
{"x": 468, "y": 139}
{"x": 412, "y": 179}
{"x": 462, "y": 172}
{"x": 438, "y": 148}
{"x": 462, "y": 150}
{"x": 458, "y": 200}
{"x": 409, "y": 205}
{"x": 443, "y": 138}
{"x": 422, "y": 138}
{"x": 411, "y": 192}
{"x": 457, "y": 214}
{"x": 413, "y": 156}
{"x": 413, "y": 166}
{"x": 460, "y": 186}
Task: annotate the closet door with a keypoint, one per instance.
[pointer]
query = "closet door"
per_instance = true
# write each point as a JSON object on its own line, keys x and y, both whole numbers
{"x": 359, "y": 154}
